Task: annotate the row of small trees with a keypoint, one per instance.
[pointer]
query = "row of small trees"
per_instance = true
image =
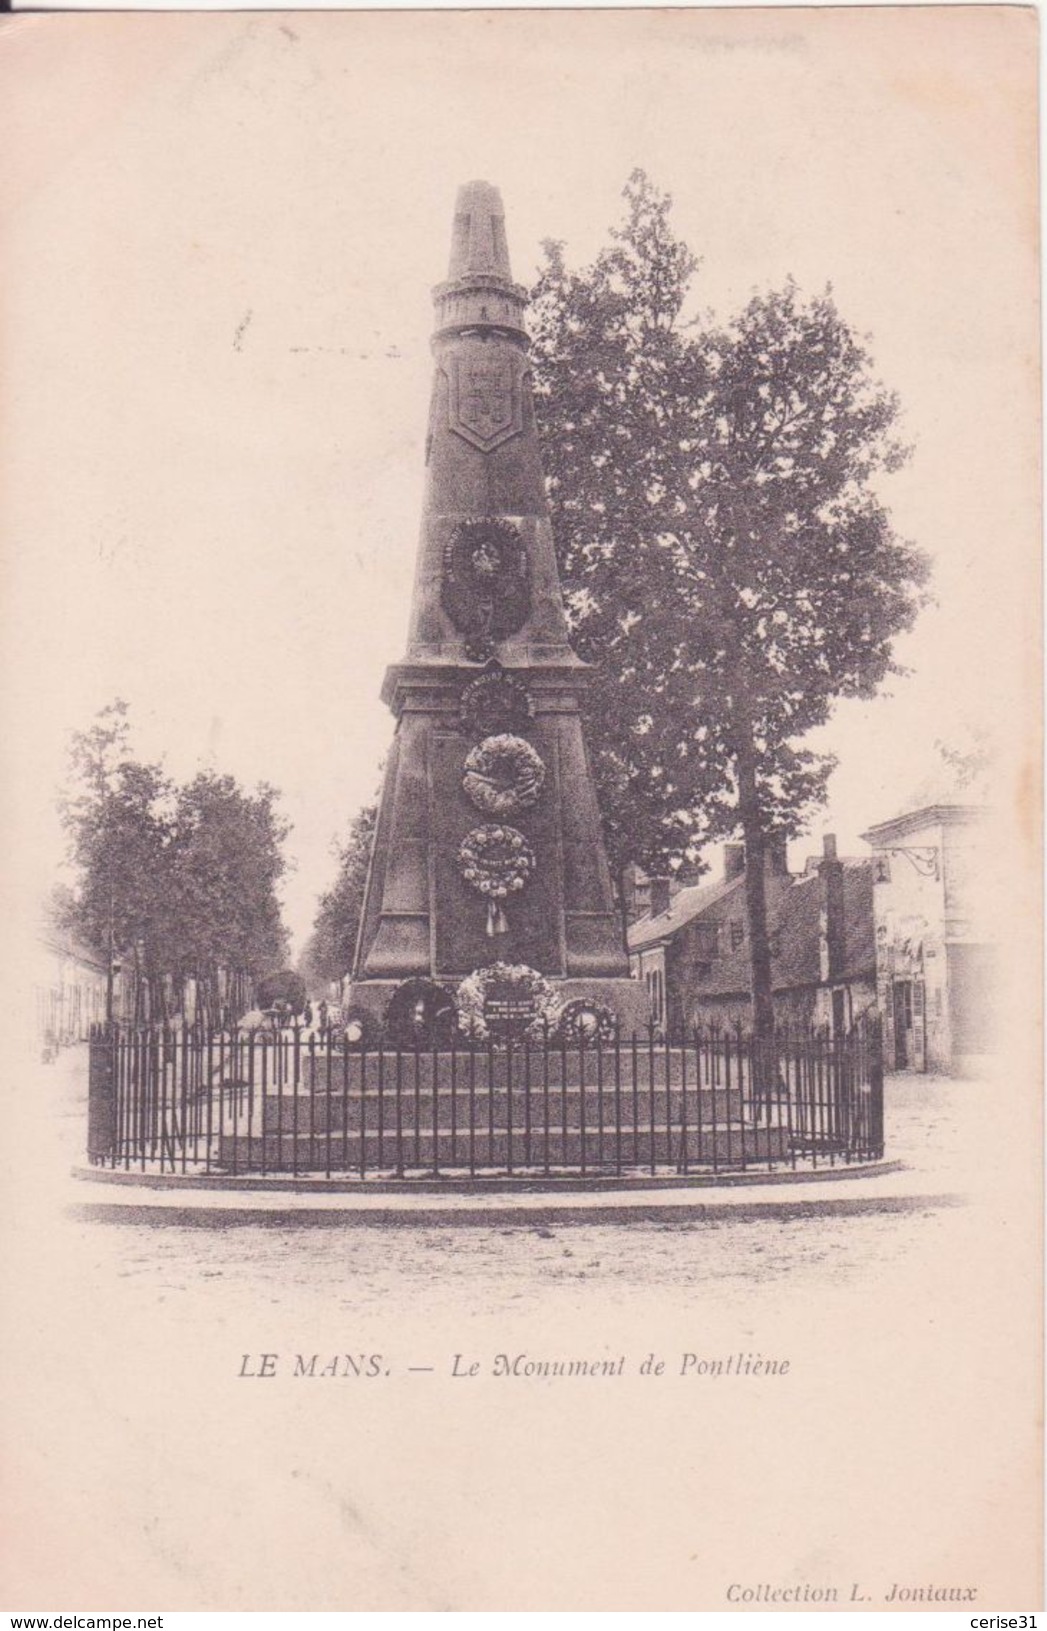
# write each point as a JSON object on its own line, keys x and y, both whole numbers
{"x": 175, "y": 882}
{"x": 728, "y": 564}
{"x": 329, "y": 951}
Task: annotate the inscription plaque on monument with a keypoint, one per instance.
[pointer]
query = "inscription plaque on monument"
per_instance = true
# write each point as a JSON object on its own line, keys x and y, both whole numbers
{"x": 508, "y": 1009}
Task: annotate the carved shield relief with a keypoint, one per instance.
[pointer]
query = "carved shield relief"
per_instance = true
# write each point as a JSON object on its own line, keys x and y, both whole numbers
{"x": 485, "y": 393}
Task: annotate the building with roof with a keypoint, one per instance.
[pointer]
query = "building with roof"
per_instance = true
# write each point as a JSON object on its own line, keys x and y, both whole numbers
{"x": 935, "y": 961}
{"x": 69, "y": 988}
{"x": 691, "y": 949}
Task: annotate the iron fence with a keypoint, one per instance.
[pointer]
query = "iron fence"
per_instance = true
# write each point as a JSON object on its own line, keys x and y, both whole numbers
{"x": 297, "y": 1103}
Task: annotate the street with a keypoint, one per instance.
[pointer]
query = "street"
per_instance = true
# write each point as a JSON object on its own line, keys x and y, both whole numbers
{"x": 144, "y": 1397}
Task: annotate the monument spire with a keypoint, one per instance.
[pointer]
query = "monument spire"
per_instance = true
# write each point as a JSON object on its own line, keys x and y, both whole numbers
{"x": 479, "y": 243}
{"x": 484, "y": 489}
{"x": 488, "y": 845}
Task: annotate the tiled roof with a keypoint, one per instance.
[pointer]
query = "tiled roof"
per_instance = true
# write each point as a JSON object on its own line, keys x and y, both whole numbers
{"x": 794, "y": 921}
{"x": 684, "y": 907}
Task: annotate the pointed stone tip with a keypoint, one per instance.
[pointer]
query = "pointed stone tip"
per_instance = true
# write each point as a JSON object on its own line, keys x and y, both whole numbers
{"x": 478, "y": 242}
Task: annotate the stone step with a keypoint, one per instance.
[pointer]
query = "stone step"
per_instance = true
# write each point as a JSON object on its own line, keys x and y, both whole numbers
{"x": 726, "y": 1146}
{"x": 684, "y": 1067}
{"x": 575, "y": 1106}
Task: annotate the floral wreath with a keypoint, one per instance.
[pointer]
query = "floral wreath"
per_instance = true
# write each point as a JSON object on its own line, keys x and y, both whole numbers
{"x": 503, "y": 775}
{"x": 420, "y": 1013}
{"x": 485, "y": 588}
{"x": 497, "y": 861}
{"x": 587, "y": 1022}
{"x": 472, "y": 993}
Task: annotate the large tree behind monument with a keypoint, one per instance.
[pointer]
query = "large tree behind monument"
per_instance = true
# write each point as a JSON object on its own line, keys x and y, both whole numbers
{"x": 727, "y": 560}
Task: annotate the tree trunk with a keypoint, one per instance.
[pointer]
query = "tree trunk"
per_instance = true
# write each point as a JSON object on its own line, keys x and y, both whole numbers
{"x": 211, "y": 999}
{"x": 623, "y": 906}
{"x": 756, "y": 895}
{"x": 139, "y": 996}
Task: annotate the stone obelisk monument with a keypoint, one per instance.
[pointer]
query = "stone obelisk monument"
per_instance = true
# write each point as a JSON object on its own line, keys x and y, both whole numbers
{"x": 488, "y": 849}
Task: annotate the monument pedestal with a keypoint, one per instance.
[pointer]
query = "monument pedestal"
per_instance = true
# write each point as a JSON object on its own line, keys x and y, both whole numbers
{"x": 526, "y": 1110}
{"x": 626, "y": 998}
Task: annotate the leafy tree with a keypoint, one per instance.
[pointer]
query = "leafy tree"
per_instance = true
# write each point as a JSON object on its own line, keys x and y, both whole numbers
{"x": 116, "y": 812}
{"x": 969, "y": 762}
{"x": 728, "y": 562}
{"x": 285, "y": 986}
{"x": 332, "y": 946}
{"x": 604, "y": 344}
{"x": 179, "y": 882}
{"x": 226, "y": 863}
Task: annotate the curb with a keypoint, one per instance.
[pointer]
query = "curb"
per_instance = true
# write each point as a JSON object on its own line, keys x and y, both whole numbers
{"x": 228, "y": 1183}
{"x": 397, "y": 1217}
{"x": 193, "y": 1201}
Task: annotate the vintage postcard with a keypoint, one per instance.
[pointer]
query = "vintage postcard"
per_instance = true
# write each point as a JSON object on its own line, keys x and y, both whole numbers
{"x": 522, "y": 795}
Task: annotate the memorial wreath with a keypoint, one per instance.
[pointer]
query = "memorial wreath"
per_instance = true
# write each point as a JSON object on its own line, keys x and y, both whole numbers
{"x": 485, "y": 587}
{"x": 497, "y": 862}
{"x": 526, "y": 986}
{"x": 587, "y": 1022}
{"x": 503, "y": 775}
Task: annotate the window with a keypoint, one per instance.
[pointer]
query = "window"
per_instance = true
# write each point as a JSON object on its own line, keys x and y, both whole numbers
{"x": 737, "y": 934}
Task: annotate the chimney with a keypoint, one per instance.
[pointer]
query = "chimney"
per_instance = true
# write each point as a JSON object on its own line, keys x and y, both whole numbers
{"x": 778, "y": 856}
{"x": 733, "y": 861}
{"x": 659, "y": 896}
{"x": 833, "y": 948}
{"x": 627, "y": 886}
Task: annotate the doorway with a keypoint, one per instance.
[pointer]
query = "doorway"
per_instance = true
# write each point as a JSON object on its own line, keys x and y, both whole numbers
{"x": 902, "y": 1024}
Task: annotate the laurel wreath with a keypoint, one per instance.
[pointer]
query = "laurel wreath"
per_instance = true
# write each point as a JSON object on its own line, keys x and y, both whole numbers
{"x": 420, "y": 1012}
{"x": 485, "y": 588}
{"x": 496, "y": 861}
{"x": 588, "y": 1022}
{"x": 503, "y": 775}
{"x": 526, "y": 983}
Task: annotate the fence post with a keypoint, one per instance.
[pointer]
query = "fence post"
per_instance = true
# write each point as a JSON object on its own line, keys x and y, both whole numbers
{"x": 876, "y": 1085}
{"x": 101, "y": 1094}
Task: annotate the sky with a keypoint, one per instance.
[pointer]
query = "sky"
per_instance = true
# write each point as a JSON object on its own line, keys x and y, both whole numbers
{"x": 221, "y": 235}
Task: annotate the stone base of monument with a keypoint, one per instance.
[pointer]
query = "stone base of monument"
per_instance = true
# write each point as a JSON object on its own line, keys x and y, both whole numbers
{"x": 520, "y": 1110}
{"x": 626, "y": 999}
{"x": 572, "y": 1153}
